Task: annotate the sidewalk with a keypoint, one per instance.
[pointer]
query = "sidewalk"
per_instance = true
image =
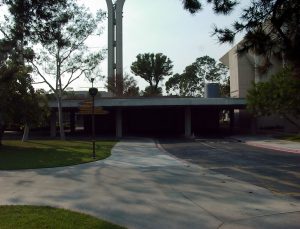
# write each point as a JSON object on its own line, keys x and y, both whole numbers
{"x": 270, "y": 143}
{"x": 141, "y": 187}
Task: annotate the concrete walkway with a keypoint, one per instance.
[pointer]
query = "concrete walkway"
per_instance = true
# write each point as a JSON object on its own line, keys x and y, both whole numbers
{"x": 270, "y": 143}
{"x": 140, "y": 186}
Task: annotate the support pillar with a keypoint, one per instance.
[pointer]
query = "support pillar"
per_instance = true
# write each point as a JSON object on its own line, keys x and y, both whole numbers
{"x": 187, "y": 122}
{"x": 231, "y": 117}
{"x": 72, "y": 122}
{"x": 53, "y": 124}
{"x": 119, "y": 131}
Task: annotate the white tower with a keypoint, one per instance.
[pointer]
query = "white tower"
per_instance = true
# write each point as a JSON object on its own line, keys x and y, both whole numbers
{"x": 115, "y": 46}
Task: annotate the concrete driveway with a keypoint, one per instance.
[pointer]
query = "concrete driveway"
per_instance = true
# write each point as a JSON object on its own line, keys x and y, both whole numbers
{"x": 140, "y": 186}
{"x": 277, "y": 171}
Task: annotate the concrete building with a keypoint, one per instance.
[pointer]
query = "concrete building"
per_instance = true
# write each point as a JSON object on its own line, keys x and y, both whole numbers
{"x": 163, "y": 116}
{"x": 115, "y": 46}
{"x": 244, "y": 69}
{"x": 143, "y": 116}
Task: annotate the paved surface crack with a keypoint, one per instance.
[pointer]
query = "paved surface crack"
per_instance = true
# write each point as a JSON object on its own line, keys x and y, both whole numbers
{"x": 204, "y": 209}
{"x": 257, "y": 217}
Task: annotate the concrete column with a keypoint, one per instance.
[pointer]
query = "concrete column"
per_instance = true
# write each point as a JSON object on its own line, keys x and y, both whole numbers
{"x": 115, "y": 46}
{"x": 119, "y": 131}
{"x": 53, "y": 124}
{"x": 72, "y": 122}
{"x": 231, "y": 117}
{"x": 187, "y": 122}
{"x": 111, "y": 44}
{"x": 119, "y": 46}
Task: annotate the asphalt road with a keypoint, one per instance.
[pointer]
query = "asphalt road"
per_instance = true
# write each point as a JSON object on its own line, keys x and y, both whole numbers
{"x": 277, "y": 171}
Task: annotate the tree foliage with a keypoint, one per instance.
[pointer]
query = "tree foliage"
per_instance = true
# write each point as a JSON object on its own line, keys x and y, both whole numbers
{"x": 219, "y": 6}
{"x": 65, "y": 51}
{"x": 23, "y": 24}
{"x": 30, "y": 17}
{"x": 280, "y": 95}
{"x": 272, "y": 28}
{"x": 150, "y": 91}
{"x": 20, "y": 104}
{"x": 130, "y": 88}
{"x": 191, "y": 82}
{"x": 187, "y": 83}
{"x": 152, "y": 68}
{"x": 225, "y": 87}
{"x": 64, "y": 55}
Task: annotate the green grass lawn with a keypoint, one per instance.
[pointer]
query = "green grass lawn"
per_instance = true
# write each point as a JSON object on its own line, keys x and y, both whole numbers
{"x": 33, "y": 217}
{"x": 294, "y": 138}
{"x": 50, "y": 153}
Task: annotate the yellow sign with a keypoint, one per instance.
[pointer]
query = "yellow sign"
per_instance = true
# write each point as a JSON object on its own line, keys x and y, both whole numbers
{"x": 87, "y": 108}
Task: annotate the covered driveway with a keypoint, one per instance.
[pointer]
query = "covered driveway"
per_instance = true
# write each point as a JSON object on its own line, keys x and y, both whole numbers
{"x": 154, "y": 117}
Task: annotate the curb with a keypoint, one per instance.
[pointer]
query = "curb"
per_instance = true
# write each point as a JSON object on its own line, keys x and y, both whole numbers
{"x": 161, "y": 148}
{"x": 268, "y": 146}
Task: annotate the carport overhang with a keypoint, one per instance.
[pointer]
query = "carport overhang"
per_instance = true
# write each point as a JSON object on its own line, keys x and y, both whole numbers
{"x": 119, "y": 106}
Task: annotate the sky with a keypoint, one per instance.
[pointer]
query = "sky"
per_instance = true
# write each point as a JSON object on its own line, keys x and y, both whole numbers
{"x": 162, "y": 26}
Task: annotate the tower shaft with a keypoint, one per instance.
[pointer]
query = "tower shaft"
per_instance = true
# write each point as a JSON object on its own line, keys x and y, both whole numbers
{"x": 115, "y": 46}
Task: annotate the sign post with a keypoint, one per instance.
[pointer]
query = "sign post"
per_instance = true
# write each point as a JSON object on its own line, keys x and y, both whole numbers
{"x": 93, "y": 92}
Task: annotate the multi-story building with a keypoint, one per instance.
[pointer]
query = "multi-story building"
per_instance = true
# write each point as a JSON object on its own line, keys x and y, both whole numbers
{"x": 245, "y": 69}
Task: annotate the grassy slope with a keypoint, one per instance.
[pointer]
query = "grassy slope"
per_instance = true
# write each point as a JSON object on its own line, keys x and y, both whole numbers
{"x": 32, "y": 217}
{"x": 295, "y": 138}
{"x": 50, "y": 153}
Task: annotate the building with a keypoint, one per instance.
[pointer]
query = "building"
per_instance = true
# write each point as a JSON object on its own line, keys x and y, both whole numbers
{"x": 142, "y": 116}
{"x": 244, "y": 69}
{"x": 156, "y": 117}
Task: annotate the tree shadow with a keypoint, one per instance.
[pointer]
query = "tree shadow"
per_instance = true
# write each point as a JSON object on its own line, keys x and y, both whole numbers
{"x": 145, "y": 195}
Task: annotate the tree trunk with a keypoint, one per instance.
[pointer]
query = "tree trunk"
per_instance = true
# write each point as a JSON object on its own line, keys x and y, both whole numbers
{"x": 60, "y": 120}
{"x": 1, "y": 133}
{"x": 296, "y": 69}
{"x": 25, "y": 133}
{"x": 1, "y": 129}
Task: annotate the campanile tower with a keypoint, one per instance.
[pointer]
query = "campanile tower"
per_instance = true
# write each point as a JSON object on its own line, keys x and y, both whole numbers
{"x": 115, "y": 46}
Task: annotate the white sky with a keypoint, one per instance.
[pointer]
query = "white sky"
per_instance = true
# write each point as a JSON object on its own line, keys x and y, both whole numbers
{"x": 162, "y": 26}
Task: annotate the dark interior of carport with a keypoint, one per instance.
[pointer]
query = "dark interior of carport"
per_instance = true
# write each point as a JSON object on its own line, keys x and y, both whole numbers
{"x": 157, "y": 121}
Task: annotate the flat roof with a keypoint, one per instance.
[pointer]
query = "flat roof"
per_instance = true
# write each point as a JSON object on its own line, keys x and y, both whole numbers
{"x": 155, "y": 102}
